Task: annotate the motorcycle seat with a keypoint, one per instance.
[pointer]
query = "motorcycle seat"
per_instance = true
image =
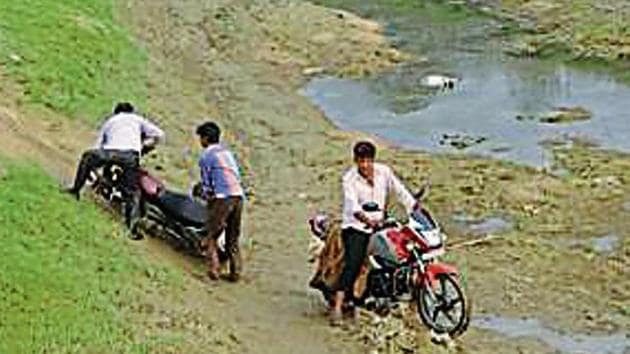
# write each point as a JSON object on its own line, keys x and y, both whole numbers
{"x": 184, "y": 209}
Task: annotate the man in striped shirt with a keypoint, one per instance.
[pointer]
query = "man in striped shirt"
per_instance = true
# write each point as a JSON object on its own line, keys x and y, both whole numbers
{"x": 221, "y": 187}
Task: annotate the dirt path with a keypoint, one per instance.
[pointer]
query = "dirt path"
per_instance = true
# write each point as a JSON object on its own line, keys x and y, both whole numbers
{"x": 274, "y": 129}
{"x": 258, "y": 315}
{"x": 239, "y": 65}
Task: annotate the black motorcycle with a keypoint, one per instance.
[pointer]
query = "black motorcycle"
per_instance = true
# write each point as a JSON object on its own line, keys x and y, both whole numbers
{"x": 178, "y": 218}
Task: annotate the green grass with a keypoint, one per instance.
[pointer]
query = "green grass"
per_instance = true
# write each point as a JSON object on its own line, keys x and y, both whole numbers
{"x": 71, "y": 55}
{"x": 63, "y": 274}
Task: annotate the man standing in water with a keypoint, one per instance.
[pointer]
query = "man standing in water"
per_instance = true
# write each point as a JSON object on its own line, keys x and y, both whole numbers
{"x": 221, "y": 187}
{"x": 365, "y": 189}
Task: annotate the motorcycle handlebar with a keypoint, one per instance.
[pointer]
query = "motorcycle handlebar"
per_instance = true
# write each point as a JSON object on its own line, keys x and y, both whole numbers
{"x": 386, "y": 225}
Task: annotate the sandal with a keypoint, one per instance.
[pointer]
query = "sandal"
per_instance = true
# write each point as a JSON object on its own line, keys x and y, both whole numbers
{"x": 335, "y": 318}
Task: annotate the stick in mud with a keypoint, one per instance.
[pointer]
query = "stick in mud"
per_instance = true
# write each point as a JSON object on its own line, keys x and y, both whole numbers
{"x": 474, "y": 242}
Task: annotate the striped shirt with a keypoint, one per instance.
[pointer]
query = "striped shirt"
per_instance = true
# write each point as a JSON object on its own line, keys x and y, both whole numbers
{"x": 220, "y": 176}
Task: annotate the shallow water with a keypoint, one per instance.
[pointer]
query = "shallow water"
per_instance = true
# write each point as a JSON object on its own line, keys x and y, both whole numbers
{"x": 493, "y": 91}
{"x": 478, "y": 227}
{"x": 562, "y": 341}
{"x": 602, "y": 245}
{"x": 605, "y": 244}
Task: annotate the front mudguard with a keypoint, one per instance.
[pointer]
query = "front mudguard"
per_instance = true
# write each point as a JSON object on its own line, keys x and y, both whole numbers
{"x": 433, "y": 270}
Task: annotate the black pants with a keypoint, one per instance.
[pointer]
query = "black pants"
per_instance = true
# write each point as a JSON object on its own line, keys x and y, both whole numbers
{"x": 129, "y": 161}
{"x": 355, "y": 245}
{"x": 225, "y": 214}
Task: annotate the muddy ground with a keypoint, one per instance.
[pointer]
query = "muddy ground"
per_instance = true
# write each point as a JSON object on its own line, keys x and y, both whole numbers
{"x": 242, "y": 63}
{"x": 582, "y": 29}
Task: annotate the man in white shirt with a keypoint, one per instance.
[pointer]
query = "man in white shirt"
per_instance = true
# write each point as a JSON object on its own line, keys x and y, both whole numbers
{"x": 122, "y": 138}
{"x": 364, "y": 187}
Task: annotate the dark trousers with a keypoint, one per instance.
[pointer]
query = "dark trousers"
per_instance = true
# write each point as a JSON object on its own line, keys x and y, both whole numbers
{"x": 355, "y": 244}
{"x": 225, "y": 214}
{"x": 129, "y": 161}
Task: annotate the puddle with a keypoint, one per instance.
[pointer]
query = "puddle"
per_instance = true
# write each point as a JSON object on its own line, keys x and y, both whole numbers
{"x": 494, "y": 90}
{"x": 562, "y": 341}
{"x": 479, "y": 227}
{"x": 602, "y": 245}
{"x": 605, "y": 244}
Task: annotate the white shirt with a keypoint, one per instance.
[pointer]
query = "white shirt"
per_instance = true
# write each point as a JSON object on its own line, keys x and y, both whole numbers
{"x": 357, "y": 191}
{"x": 124, "y": 131}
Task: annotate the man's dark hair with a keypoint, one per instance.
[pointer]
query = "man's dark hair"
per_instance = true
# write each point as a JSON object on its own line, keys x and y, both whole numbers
{"x": 123, "y": 107}
{"x": 210, "y": 130}
{"x": 364, "y": 149}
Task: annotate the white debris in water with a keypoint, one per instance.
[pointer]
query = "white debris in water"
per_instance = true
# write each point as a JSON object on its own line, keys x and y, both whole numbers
{"x": 439, "y": 81}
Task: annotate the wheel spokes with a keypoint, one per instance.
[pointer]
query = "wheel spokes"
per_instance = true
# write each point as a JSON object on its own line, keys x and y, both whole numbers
{"x": 448, "y": 316}
{"x": 443, "y": 295}
{"x": 449, "y": 306}
{"x": 436, "y": 312}
{"x": 446, "y": 305}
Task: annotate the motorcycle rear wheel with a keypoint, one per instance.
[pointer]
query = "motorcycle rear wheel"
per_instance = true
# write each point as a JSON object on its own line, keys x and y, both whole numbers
{"x": 445, "y": 308}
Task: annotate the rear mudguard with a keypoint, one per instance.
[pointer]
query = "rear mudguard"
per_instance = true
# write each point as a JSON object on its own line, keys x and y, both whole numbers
{"x": 434, "y": 269}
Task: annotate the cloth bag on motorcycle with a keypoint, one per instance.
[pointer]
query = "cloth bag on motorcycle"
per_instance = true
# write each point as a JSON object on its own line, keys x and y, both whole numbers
{"x": 330, "y": 262}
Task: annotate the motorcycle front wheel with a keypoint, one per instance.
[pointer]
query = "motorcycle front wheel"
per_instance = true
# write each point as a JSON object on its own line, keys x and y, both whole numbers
{"x": 443, "y": 308}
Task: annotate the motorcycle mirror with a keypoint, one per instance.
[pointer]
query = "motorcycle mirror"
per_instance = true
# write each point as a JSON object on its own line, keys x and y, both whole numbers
{"x": 423, "y": 192}
{"x": 370, "y": 206}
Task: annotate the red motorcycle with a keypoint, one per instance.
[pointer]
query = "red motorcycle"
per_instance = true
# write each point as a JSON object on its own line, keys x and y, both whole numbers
{"x": 403, "y": 266}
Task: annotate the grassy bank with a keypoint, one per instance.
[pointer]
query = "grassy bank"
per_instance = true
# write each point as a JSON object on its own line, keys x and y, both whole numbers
{"x": 64, "y": 271}
{"x": 587, "y": 28}
{"x": 71, "y": 56}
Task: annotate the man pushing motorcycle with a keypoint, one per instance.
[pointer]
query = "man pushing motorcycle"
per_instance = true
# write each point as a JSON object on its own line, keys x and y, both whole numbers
{"x": 365, "y": 192}
{"x": 121, "y": 140}
{"x": 221, "y": 187}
